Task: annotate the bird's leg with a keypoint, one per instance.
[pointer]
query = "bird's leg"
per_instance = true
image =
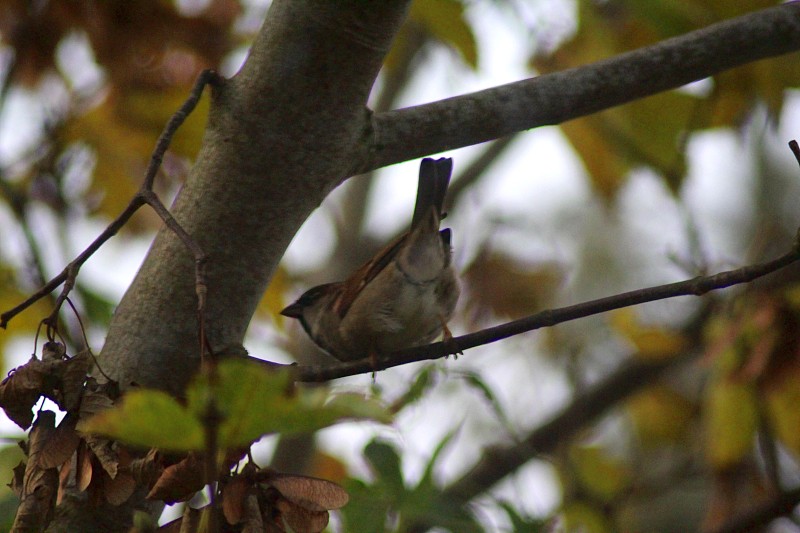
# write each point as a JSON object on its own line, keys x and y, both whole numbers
{"x": 373, "y": 361}
{"x": 449, "y": 342}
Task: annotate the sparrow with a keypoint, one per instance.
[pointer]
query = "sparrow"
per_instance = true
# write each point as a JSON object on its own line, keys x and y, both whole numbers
{"x": 402, "y": 297}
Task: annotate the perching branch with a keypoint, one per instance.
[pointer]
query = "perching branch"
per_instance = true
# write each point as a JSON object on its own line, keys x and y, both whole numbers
{"x": 550, "y": 99}
{"x": 692, "y": 287}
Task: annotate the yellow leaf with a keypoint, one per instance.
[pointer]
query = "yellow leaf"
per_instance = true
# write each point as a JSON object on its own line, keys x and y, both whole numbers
{"x": 25, "y": 323}
{"x": 730, "y": 421}
{"x": 580, "y": 516}
{"x": 151, "y": 109}
{"x": 273, "y": 300}
{"x": 660, "y": 415}
{"x": 444, "y": 19}
{"x": 782, "y": 400}
{"x": 651, "y": 342}
{"x": 600, "y": 474}
{"x": 122, "y": 132}
{"x": 649, "y": 131}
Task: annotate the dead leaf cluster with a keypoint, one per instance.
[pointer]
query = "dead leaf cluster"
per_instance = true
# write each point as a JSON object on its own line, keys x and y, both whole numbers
{"x": 263, "y": 500}
{"x": 65, "y": 457}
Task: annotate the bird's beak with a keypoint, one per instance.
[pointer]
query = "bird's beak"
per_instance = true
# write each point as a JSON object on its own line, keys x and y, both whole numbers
{"x": 293, "y": 311}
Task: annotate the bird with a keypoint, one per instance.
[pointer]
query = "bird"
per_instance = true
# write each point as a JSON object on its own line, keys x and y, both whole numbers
{"x": 402, "y": 297}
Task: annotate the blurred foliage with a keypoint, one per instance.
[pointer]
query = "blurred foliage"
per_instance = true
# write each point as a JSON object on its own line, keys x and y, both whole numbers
{"x": 706, "y": 434}
{"x": 642, "y": 134}
{"x": 388, "y": 504}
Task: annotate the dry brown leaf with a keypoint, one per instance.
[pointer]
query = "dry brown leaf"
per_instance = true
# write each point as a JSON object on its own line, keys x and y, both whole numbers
{"x": 92, "y": 403}
{"x": 103, "y": 449}
{"x": 300, "y": 519}
{"x": 84, "y": 467}
{"x": 23, "y": 387}
{"x": 73, "y": 377}
{"x": 310, "y": 493}
{"x": 190, "y": 521}
{"x": 62, "y": 443}
{"x": 39, "y": 485}
{"x": 118, "y": 490}
{"x": 54, "y": 377}
{"x": 147, "y": 469}
{"x": 509, "y": 287}
{"x": 53, "y": 351}
{"x": 253, "y": 519}
{"x": 64, "y": 476}
{"x": 233, "y": 496}
{"x": 18, "y": 474}
{"x": 179, "y": 482}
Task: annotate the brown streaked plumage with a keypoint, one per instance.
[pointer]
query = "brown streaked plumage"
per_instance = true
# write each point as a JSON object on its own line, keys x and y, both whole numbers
{"x": 402, "y": 297}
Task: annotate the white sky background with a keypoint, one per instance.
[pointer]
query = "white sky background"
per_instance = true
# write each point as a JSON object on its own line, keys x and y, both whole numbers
{"x": 539, "y": 181}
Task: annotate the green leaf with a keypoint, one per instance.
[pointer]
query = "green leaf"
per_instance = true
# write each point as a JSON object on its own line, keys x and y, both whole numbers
{"x": 421, "y": 384}
{"x": 474, "y": 380}
{"x": 98, "y": 308}
{"x": 149, "y": 418}
{"x": 368, "y": 508}
{"x": 427, "y": 476}
{"x": 250, "y": 401}
{"x": 520, "y": 523}
{"x": 426, "y": 504}
{"x": 385, "y": 461}
{"x": 603, "y": 476}
{"x": 585, "y": 517}
{"x": 254, "y": 402}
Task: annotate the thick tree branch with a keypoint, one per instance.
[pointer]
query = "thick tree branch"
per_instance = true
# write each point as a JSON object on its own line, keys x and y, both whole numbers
{"x": 281, "y": 134}
{"x": 477, "y": 117}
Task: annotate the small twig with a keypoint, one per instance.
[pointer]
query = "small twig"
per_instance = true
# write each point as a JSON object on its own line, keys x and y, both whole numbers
{"x": 143, "y": 196}
{"x": 80, "y": 324}
{"x": 201, "y": 287}
{"x": 212, "y": 418}
{"x": 696, "y": 286}
{"x": 86, "y": 341}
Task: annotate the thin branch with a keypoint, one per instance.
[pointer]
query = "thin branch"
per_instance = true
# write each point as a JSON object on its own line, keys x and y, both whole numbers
{"x": 554, "y": 98}
{"x": 692, "y": 287}
{"x": 144, "y": 196}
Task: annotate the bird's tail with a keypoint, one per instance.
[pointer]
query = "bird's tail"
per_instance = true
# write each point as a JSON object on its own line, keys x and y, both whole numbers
{"x": 434, "y": 177}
